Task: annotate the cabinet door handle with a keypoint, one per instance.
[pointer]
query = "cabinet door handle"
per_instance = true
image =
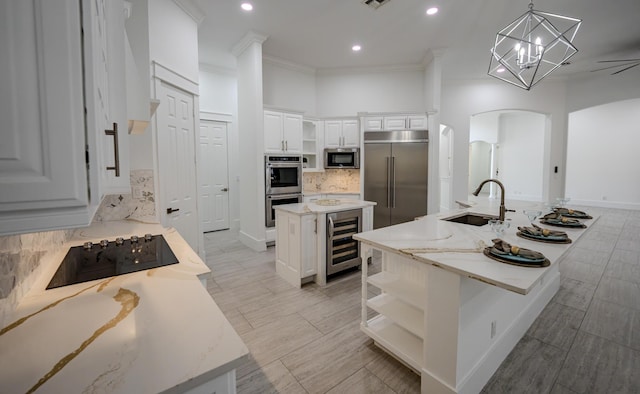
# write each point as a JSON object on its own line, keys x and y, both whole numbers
{"x": 172, "y": 210}
{"x": 286, "y": 145}
{"x": 225, "y": 189}
{"x": 116, "y": 154}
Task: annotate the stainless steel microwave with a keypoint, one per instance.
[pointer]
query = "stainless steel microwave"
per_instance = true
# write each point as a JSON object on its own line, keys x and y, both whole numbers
{"x": 342, "y": 158}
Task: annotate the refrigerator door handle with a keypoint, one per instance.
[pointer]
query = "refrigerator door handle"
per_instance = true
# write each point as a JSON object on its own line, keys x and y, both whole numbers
{"x": 393, "y": 181}
{"x": 388, "y": 182}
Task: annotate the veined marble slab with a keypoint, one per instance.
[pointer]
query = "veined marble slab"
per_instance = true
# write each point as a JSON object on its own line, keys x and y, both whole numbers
{"x": 458, "y": 247}
{"x": 149, "y": 331}
{"x": 313, "y": 208}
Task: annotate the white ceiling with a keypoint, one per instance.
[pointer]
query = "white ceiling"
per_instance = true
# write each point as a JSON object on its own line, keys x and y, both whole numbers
{"x": 320, "y": 33}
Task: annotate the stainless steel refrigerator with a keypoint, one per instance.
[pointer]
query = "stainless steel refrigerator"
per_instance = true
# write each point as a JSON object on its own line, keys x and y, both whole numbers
{"x": 395, "y": 175}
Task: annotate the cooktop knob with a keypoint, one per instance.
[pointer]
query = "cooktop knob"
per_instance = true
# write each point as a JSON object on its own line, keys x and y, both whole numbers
{"x": 134, "y": 238}
{"x": 119, "y": 241}
{"x": 104, "y": 243}
{"x": 88, "y": 245}
{"x": 148, "y": 237}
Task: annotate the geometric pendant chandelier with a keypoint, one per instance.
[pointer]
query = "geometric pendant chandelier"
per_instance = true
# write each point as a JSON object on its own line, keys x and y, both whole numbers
{"x": 532, "y": 46}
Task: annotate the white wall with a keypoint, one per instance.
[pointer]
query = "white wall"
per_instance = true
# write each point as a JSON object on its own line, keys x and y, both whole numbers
{"x": 219, "y": 94}
{"x": 602, "y": 156}
{"x": 289, "y": 87}
{"x": 521, "y": 154}
{"x": 484, "y": 127}
{"x": 173, "y": 38}
{"x": 347, "y": 93}
{"x": 479, "y": 165}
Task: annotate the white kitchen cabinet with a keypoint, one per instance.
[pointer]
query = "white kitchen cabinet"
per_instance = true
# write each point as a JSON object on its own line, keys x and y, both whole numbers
{"x": 282, "y": 132}
{"x": 312, "y": 143}
{"x": 52, "y": 165}
{"x": 394, "y": 122}
{"x": 343, "y": 133}
{"x": 373, "y": 123}
{"x": 296, "y": 246}
{"x": 405, "y": 122}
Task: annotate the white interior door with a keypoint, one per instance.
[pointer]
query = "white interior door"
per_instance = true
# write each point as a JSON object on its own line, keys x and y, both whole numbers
{"x": 176, "y": 162}
{"x": 214, "y": 176}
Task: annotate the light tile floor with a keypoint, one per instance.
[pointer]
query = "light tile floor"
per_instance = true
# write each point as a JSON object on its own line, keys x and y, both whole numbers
{"x": 587, "y": 340}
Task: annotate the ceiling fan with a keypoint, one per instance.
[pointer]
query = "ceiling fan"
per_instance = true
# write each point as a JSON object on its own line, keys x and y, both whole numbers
{"x": 621, "y": 65}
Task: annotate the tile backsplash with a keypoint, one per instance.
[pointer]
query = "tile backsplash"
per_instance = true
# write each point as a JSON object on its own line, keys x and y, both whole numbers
{"x": 332, "y": 181}
{"x": 139, "y": 205}
{"x": 20, "y": 257}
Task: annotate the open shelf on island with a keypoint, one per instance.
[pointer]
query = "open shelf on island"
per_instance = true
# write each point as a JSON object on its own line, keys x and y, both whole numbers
{"x": 404, "y": 345}
{"x": 404, "y": 290}
{"x": 403, "y": 314}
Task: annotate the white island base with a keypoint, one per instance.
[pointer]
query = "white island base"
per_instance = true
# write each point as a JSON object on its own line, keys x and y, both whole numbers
{"x": 445, "y": 309}
{"x": 452, "y": 330}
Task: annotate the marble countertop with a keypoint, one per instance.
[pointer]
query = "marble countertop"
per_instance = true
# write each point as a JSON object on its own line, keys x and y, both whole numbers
{"x": 310, "y": 208}
{"x": 458, "y": 247}
{"x": 157, "y": 330}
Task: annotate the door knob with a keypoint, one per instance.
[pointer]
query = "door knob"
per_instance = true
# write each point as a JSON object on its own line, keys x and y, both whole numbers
{"x": 226, "y": 189}
{"x": 172, "y": 210}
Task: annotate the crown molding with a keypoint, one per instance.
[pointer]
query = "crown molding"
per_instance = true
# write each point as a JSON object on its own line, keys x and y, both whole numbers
{"x": 250, "y": 38}
{"x": 192, "y": 9}
{"x": 288, "y": 64}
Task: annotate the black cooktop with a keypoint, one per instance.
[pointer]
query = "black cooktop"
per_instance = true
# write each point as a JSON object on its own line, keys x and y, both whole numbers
{"x": 112, "y": 258}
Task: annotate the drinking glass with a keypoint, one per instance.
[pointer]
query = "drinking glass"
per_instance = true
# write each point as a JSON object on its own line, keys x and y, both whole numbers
{"x": 561, "y": 202}
{"x": 532, "y": 214}
{"x": 499, "y": 226}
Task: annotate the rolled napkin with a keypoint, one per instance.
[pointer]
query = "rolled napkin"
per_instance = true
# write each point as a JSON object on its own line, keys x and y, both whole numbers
{"x": 572, "y": 213}
{"x": 501, "y": 247}
{"x": 537, "y": 231}
{"x": 557, "y": 216}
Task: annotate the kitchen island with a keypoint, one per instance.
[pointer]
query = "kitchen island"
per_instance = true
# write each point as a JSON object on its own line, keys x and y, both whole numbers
{"x": 150, "y": 331}
{"x": 301, "y": 237}
{"x": 448, "y": 311}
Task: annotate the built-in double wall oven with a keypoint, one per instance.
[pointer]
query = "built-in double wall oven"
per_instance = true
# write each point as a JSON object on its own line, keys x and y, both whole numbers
{"x": 283, "y": 183}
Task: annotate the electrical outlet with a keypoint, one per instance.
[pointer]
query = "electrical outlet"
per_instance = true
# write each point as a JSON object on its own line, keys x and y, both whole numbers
{"x": 493, "y": 328}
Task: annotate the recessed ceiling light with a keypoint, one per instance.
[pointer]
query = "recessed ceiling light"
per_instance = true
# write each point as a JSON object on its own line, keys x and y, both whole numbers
{"x": 356, "y": 48}
{"x": 246, "y": 6}
{"x": 432, "y": 11}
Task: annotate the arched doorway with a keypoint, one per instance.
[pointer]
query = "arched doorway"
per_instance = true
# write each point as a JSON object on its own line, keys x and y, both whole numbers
{"x": 514, "y": 141}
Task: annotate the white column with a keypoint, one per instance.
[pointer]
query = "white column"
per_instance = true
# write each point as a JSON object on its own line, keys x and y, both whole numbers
{"x": 251, "y": 140}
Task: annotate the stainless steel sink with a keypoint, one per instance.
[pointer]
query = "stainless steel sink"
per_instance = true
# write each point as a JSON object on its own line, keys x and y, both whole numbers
{"x": 474, "y": 219}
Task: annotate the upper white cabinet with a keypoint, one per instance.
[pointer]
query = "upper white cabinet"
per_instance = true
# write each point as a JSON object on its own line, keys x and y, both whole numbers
{"x": 282, "y": 132}
{"x": 341, "y": 133}
{"x": 312, "y": 145}
{"x": 395, "y": 122}
{"x": 105, "y": 91}
{"x": 43, "y": 156}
